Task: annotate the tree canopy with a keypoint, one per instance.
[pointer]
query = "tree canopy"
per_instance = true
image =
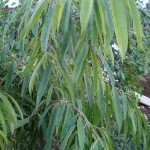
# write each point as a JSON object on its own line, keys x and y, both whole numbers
{"x": 57, "y": 85}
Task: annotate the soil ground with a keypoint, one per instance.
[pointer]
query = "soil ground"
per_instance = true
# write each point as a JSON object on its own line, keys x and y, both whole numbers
{"x": 146, "y": 84}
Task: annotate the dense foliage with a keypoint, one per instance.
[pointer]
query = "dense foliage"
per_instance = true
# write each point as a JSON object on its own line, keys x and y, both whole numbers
{"x": 57, "y": 81}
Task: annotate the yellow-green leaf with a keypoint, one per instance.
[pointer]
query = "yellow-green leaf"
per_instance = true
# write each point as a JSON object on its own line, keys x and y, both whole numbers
{"x": 36, "y": 14}
{"x": 136, "y": 20}
{"x": 120, "y": 25}
{"x": 86, "y": 9}
{"x": 34, "y": 74}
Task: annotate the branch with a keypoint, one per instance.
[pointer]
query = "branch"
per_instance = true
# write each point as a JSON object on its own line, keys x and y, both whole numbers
{"x": 5, "y": 9}
{"x": 21, "y": 62}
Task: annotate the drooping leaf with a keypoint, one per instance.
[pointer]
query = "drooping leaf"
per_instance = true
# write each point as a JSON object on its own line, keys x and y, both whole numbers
{"x": 68, "y": 79}
{"x": 49, "y": 95}
{"x": 9, "y": 76}
{"x": 133, "y": 119}
{"x": 3, "y": 122}
{"x": 16, "y": 105}
{"x": 97, "y": 18}
{"x": 66, "y": 118}
{"x": 36, "y": 14}
{"x": 79, "y": 60}
{"x": 117, "y": 108}
{"x": 15, "y": 15}
{"x": 8, "y": 108}
{"x": 2, "y": 145}
{"x": 34, "y": 74}
{"x": 22, "y": 122}
{"x": 43, "y": 83}
{"x": 51, "y": 128}
{"x": 41, "y": 117}
{"x": 33, "y": 57}
{"x": 109, "y": 71}
{"x": 81, "y": 133}
{"x": 65, "y": 140}
{"x": 46, "y": 29}
{"x": 67, "y": 15}
{"x": 94, "y": 145}
{"x": 100, "y": 100}
{"x": 25, "y": 84}
{"x": 120, "y": 25}
{"x": 4, "y": 53}
{"x": 3, "y": 136}
{"x": 58, "y": 10}
{"x": 125, "y": 106}
{"x": 136, "y": 20}
{"x": 88, "y": 90}
{"x": 85, "y": 13}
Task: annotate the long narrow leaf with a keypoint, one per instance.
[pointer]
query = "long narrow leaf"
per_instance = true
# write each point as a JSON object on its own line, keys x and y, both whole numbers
{"x": 86, "y": 9}
{"x": 120, "y": 24}
{"x": 43, "y": 83}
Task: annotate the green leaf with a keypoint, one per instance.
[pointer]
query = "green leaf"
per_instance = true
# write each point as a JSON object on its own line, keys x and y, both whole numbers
{"x": 31, "y": 43}
{"x": 41, "y": 117}
{"x": 97, "y": 18}
{"x": 16, "y": 105}
{"x": 2, "y": 144}
{"x": 3, "y": 136}
{"x": 35, "y": 28}
{"x": 33, "y": 58}
{"x": 49, "y": 95}
{"x": 62, "y": 109}
{"x": 106, "y": 27}
{"x": 134, "y": 121}
{"x": 22, "y": 122}
{"x": 34, "y": 74}
{"x": 125, "y": 106}
{"x": 88, "y": 90}
{"x": 11, "y": 125}
{"x": 120, "y": 24}
{"x": 109, "y": 19}
{"x": 62, "y": 4}
{"x": 55, "y": 18}
{"x": 25, "y": 84}
{"x": 15, "y": 15}
{"x": 46, "y": 29}
{"x": 136, "y": 20}
{"x": 65, "y": 140}
{"x": 68, "y": 9}
{"x": 58, "y": 10}
{"x": 66, "y": 118}
{"x": 9, "y": 76}
{"x": 85, "y": 12}
{"x": 68, "y": 79}
{"x": 8, "y": 108}
{"x": 36, "y": 14}
{"x": 95, "y": 114}
{"x": 101, "y": 101}
{"x": 2, "y": 122}
{"x": 4, "y": 53}
{"x": 94, "y": 146}
{"x": 109, "y": 71}
{"x": 51, "y": 127}
{"x": 81, "y": 133}
{"x": 98, "y": 145}
{"x": 43, "y": 84}
{"x": 79, "y": 60}
{"x": 117, "y": 108}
